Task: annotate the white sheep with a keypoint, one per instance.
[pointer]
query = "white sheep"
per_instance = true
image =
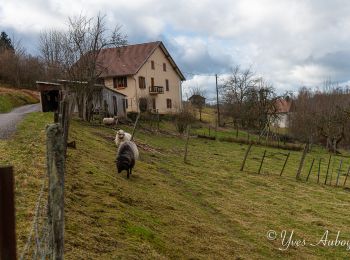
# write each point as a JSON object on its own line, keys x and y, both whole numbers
{"x": 109, "y": 121}
{"x": 121, "y": 137}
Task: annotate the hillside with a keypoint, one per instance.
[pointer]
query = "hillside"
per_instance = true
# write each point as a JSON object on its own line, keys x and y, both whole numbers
{"x": 11, "y": 98}
{"x": 168, "y": 209}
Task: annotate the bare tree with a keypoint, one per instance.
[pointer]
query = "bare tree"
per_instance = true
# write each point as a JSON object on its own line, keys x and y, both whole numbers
{"x": 322, "y": 116}
{"x": 198, "y": 99}
{"x": 76, "y": 55}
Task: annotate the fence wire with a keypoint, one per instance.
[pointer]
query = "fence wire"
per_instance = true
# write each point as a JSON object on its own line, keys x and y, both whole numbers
{"x": 38, "y": 245}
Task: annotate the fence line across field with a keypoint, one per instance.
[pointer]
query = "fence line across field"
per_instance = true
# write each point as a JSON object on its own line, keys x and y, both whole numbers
{"x": 332, "y": 175}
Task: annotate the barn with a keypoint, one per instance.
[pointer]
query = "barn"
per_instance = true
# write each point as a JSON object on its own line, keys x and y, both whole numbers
{"x": 106, "y": 100}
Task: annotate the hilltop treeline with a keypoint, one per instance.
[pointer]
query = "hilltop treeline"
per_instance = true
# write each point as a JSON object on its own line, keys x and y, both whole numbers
{"x": 18, "y": 68}
{"x": 322, "y": 116}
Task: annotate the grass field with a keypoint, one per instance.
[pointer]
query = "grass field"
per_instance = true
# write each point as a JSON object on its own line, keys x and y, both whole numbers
{"x": 206, "y": 209}
{"x": 11, "y": 98}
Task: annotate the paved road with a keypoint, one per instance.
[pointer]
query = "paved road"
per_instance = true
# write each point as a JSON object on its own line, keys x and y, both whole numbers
{"x": 8, "y": 121}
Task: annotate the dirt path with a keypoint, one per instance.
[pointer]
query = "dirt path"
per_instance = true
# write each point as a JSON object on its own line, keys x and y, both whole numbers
{"x": 8, "y": 121}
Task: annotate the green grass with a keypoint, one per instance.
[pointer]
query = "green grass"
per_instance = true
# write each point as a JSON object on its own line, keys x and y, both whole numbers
{"x": 206, "y": 209}
{"x": 10, "y": 99}
{"x": 26, "y": 152}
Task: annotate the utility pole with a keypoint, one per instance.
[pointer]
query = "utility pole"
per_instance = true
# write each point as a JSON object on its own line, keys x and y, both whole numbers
{"x": 217, "y": 98}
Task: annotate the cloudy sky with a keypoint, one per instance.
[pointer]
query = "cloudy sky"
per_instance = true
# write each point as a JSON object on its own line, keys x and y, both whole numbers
{"x": 290, "y": 43}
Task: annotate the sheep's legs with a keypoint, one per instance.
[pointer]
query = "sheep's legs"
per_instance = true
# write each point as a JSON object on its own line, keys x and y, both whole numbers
{"x": 129, "y": 171}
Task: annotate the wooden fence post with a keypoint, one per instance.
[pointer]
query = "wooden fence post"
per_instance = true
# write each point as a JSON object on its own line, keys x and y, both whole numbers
{"x": 187, "y": 139}
{"x": 329, "y": 162}
{"x": 262, "y": 161}
{"x": 7, "y": 215}
{"x": 301, "y": 162}
{"x": 245, "y": 156}
{"x": 135, "y": 124}
{"x": 347, "y": 174}
{"x": 55, "y": 170}
{"x": 285, "y": 163}
{"x": 339, "y": 170}
{"x": 319, "y": 169}
{"x": 312, "y": 164}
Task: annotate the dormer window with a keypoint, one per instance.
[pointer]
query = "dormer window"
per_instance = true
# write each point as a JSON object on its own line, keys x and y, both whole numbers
{"x": 152, "y": 65}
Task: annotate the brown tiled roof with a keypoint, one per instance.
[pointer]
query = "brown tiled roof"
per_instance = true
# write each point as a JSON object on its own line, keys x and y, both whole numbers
{"x": 128, "y": 60}
{"x": 283, "y": 105}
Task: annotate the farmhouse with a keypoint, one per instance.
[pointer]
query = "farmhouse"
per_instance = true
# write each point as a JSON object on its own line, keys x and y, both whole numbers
{"x": 283, "y": 110}
{"x": 146, "y": 74}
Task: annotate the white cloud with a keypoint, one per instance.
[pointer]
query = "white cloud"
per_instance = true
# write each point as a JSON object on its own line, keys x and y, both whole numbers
{"x": 288, "y": 42}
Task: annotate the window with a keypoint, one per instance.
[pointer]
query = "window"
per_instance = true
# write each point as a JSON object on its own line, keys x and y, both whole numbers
{"x": 164, "y": 67}
{"x": 154, "y": 103}
{"x": 152, "y": 64}
{"x": 142, "y": 82}
{"x": 167, "y": 85}
{"x": 120, "y": 82}
{"x": 152, "y": 82}
{"x": 168, "y": 103}
{"x": 125, "y": 104}
{"x": 115, "y": 105}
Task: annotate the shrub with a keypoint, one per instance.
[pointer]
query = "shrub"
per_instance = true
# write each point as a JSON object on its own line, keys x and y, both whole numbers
{"x": 183, "y": 119}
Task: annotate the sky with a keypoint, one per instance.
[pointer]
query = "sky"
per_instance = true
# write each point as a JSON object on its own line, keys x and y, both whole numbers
{"x": 289, "y": 43}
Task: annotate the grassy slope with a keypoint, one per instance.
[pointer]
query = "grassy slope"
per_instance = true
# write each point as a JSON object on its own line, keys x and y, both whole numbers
{"x": 11, "y": 98}
{"x": 26, "y": 152}
{"x": 206, "y": 209}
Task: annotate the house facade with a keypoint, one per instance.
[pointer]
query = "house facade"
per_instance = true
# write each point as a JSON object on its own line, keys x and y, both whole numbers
{"x": 283, "y": 110}
{"x": 146, "y": 74}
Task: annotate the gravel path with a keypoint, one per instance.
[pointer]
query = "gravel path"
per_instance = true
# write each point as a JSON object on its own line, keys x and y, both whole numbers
{"x": 8, "y": 121}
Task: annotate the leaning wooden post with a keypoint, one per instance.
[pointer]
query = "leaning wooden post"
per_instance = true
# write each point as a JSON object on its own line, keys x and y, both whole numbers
{"x": 7, "y": 214}
{"x": 339, "y": 170}
{"x": 135, "y": 124}
{"x": 55, "y": 170}
{"x": 329, "y": 162}
{"x": 285, "y": 163}
{"x": 312, "y": 164}
{"x": 347, "y": 174}
{"x": 301, "y": 162}
{"x": 319, "y": 169}
{"x": 245, "y": 156}
{"x": 187, "y": 139}
{"x": 262, "y": 161}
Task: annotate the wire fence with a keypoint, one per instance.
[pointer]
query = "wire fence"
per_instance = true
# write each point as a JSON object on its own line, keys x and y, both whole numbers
{"x": 45, "y": 239}
{"x": 327, "y": 169}
{"x": 38, "y": 244}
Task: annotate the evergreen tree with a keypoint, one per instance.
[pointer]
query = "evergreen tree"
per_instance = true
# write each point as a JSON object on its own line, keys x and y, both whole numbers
{"x": 5, "y": 42}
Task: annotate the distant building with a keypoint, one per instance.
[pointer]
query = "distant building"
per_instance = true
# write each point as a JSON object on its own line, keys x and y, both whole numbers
{"x": 146, "y": 74}
{"x": 197, "y": 100}
{"x": 283, "y": 110}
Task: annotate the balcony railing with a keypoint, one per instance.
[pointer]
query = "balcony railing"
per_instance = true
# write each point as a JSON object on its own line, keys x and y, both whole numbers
{"x": 156, "y": 90}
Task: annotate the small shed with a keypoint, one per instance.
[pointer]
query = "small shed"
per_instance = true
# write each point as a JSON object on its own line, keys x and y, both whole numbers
{"x": 49, "y": 95}
{"x": 110, "y": 101}
{"x": 197, "y": 100}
